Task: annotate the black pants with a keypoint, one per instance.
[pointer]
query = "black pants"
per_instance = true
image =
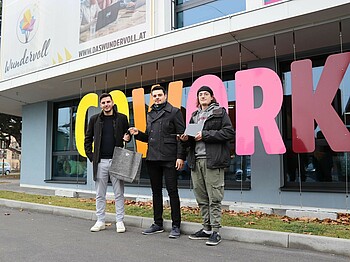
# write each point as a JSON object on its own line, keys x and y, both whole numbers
{"x": 156, "y": 170}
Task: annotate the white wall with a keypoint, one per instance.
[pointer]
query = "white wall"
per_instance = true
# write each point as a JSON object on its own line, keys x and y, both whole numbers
{"x": 253, "y": 4}
{"x": 162, "y": 12}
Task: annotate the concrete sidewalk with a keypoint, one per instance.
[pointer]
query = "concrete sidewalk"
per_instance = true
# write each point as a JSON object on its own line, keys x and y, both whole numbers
{"x": 279, "y": 239}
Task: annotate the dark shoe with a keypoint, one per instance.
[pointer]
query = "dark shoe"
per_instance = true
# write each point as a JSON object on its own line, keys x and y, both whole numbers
{"x": 199, "y": 235}
{"x": 175, "y": 232}
{"x": 153, "y": 229}
{"x": 214, "y": 239}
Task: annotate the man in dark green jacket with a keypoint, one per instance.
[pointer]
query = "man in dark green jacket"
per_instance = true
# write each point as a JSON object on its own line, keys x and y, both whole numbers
{"x": 208, "y": 156}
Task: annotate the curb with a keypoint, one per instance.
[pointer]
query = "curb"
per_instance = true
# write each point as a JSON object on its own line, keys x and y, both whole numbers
{"x": 264, "y": 237}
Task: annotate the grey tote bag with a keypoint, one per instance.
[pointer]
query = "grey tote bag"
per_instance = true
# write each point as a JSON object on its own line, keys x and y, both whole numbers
{"x": 126, "y": 164}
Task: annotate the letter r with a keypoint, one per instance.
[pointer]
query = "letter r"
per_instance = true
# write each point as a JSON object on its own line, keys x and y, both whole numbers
{"x": 263, "y": 117}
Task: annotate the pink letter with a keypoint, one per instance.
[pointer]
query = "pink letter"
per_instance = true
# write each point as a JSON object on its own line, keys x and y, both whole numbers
{"x": 263, "y": 117}
{"x": 212, "y": 81}
{"x": 308, "y": 106}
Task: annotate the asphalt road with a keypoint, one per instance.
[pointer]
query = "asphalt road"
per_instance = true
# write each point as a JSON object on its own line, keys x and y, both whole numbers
{"x": 30, "y": 236}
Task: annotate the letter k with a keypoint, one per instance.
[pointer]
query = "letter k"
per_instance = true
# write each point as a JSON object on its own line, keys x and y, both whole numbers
{"x": 309, "y": 106}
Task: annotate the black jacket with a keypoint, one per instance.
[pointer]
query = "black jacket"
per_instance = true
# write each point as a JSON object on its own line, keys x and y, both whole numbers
{"x": 217, "y": 134}
{"x": 161, "y": 130}
{"x": 94, "y": 133}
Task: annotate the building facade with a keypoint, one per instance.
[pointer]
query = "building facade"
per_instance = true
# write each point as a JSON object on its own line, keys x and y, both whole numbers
{"x": 53, "y": 67}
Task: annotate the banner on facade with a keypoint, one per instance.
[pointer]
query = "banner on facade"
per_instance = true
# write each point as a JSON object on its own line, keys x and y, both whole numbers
{"x": 38, "y": 34}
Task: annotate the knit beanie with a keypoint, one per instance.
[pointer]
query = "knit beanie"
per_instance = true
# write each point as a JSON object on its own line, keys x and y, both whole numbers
{"x": 205, "y": 88}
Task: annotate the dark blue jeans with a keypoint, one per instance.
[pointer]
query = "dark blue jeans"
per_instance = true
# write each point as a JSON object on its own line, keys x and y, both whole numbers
{"x": 157, "y": 170}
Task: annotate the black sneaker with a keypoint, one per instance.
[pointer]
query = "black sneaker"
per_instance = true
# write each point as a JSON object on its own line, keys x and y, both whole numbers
{"x": 153, "y": 229}
{"x": 175, "y": 232}
{"x": 199, "y": 235}
{"x": 214, "y": 239}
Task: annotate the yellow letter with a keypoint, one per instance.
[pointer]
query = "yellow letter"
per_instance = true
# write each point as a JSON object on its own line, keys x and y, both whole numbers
{"x": 120, "y": 100}
{"x": 88, "y": 100}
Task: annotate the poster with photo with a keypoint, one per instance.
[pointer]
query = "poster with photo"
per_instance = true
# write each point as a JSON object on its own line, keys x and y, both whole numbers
{"x": 38, "y": 34}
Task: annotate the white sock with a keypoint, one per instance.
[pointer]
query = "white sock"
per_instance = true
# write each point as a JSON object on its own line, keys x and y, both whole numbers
{"x": 208, "y": 232}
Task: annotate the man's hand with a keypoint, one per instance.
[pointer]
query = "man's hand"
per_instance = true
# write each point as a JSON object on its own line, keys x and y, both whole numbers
{"x": 179, "y": 164}
{"x": 126, "y": 137}
{"x": 133, "y": 131}
{"x": 198, "y": 136}
{"x": 183, "y": 137}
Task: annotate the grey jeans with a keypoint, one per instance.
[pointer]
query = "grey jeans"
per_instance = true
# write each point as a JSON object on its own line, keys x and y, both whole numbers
{"x": 101, "y": 184}
{"x": 208, "y": 187}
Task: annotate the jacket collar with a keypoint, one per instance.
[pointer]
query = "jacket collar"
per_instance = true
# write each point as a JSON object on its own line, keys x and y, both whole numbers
{"x": 210, "y": 108}
{"x": 154, "y": 115}
{"x": 167, "y": 108}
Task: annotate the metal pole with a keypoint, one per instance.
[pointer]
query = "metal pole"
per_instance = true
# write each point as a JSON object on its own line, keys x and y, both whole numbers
{"x": 299, "y": 172}
{"x": 346, "y": 171}
{"x": 3, "y": 163}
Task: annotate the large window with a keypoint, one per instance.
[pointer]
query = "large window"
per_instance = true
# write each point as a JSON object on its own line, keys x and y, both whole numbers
{"x": 324, "y": 169}
{"x": 67, "y": 164}
{"x": 189, "y": 12}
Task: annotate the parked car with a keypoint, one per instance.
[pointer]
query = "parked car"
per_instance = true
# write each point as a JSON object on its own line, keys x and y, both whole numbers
{"x": 5, "y": 169}
{"x": 239, "y": 175}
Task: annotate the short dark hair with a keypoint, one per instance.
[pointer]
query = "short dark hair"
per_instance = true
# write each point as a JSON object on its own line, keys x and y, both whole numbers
{"x": 158, "y": 87}
{"x": 103, "y": 95}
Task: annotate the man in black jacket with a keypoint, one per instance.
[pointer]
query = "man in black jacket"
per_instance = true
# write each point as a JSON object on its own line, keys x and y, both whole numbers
{"x": 107, "y": 130}
{"x": 208, "y": 156}
{"x": 165, "y": 155}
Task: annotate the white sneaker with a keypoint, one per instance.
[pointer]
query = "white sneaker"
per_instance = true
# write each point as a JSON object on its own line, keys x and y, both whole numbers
{"x": 98, "y": 226}
{"x": 120, "y": 227}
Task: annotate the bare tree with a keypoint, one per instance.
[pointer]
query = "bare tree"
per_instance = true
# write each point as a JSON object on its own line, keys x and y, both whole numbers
{"x": 10, "y": 126}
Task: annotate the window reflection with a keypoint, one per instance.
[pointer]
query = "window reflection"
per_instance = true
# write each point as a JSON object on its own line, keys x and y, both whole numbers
{"x": 180, "y": 2}
{"x": 67, "y": 164}
{"x": 74, "y": 115}
{"x": 239, "y": 170}
{"x": 69, "y": 167}
{"x": 323, "y": 165}
{"x": 196, "y": 13}
{"x": 63, "y": 132}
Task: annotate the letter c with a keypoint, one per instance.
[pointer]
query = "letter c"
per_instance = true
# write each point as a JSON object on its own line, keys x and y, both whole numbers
{"x": 87, "y": 101}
